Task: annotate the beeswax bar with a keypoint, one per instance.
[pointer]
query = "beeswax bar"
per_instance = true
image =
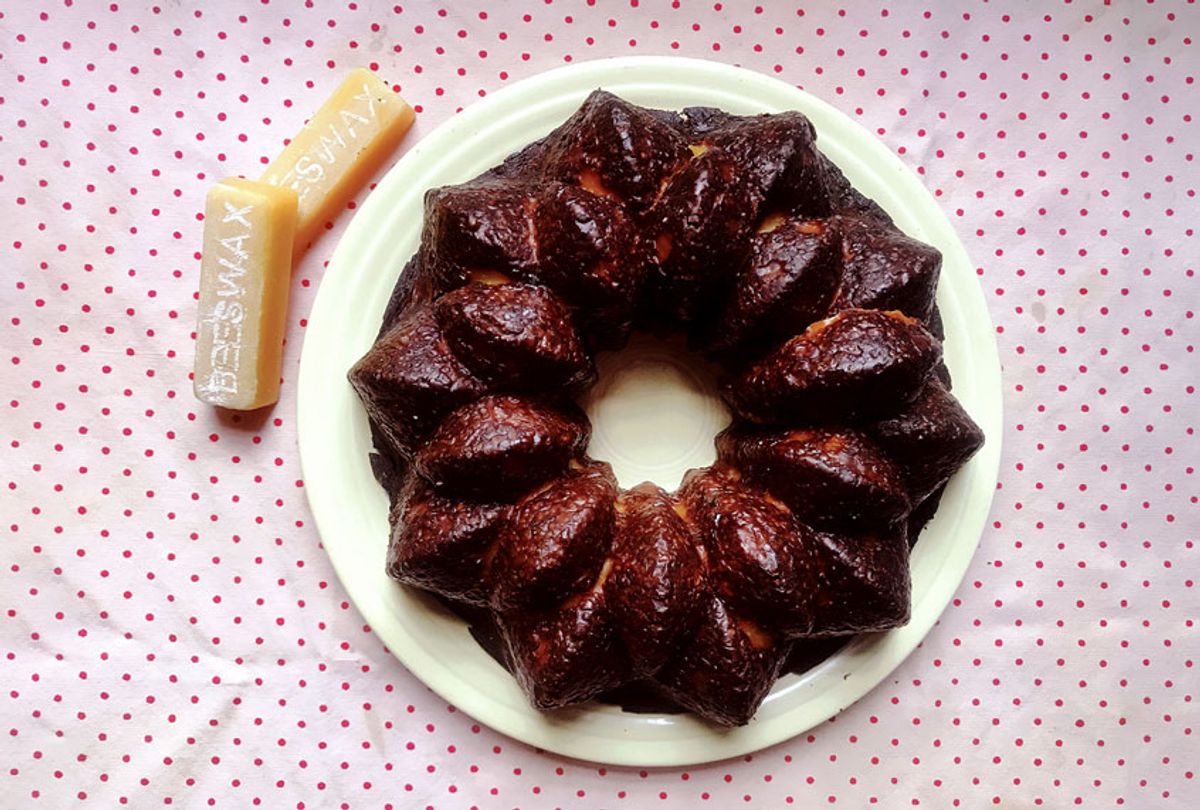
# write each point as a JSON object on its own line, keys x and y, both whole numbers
{"x": 245, "y": 274}
{"x": 336, "y": 151}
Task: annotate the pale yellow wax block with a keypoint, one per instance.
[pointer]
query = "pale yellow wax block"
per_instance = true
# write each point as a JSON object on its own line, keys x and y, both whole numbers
{"x": 245, "y": 274}
{"x": 344, "y": 143}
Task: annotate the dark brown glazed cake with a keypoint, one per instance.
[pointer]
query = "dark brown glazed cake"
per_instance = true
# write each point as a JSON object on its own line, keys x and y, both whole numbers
{"x": 821, "y": 313}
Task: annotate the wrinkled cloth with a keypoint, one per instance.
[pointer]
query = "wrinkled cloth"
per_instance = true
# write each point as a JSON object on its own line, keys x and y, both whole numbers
{"x": 171, "y": 631}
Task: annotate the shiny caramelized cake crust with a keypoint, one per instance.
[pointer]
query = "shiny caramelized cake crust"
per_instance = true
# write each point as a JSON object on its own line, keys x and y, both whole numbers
{"x": 821, "y": 312}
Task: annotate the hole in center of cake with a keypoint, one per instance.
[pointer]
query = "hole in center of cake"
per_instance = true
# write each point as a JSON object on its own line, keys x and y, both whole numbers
{"x": 655, "y": 411}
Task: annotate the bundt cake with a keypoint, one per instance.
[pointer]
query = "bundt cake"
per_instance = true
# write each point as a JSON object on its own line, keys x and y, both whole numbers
{"x": 820, "y": 312}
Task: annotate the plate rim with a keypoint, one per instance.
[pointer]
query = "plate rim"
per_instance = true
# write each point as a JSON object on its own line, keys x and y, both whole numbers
{"x": 877, "y": 655}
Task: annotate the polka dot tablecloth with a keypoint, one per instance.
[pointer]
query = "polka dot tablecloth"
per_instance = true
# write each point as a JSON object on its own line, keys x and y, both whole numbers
{"x": 172, "y": 632}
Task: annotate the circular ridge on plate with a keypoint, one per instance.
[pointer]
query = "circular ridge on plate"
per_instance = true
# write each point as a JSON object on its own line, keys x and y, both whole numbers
{"x": 350, "y": 509}
{"x": 691, "y": 402}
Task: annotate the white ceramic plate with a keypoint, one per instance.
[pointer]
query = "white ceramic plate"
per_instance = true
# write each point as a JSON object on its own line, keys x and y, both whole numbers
{"x": 350, "y": 508}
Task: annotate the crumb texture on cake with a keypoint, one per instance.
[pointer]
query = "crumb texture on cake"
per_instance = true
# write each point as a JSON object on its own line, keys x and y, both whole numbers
{"x": 739, "y": 232}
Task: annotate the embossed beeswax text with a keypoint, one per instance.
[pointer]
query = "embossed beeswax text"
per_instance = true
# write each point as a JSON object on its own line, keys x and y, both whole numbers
{"x": 228, "y": 313}
{"x": 336, "y": 138}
